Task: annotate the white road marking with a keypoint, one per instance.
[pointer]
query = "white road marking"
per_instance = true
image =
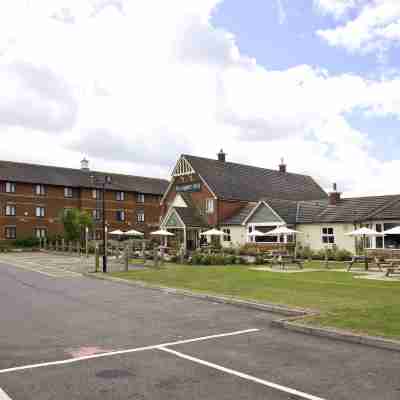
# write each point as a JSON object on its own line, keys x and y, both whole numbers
{"x": 4, "y": 395}
{"x": 119, "y": 352}
{"x": 242, "y": 375}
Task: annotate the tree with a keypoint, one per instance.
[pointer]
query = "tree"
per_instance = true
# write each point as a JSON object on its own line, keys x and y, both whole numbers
{"x": 75, "y": 222}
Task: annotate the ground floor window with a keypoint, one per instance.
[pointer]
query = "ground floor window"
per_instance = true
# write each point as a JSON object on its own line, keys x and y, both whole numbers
{"x": 40, "y": 233}
{"x": 227, "y": 235}
{"x": 328, "y": 235}
{"x": 11, "y": 232}
{"x": 140, "y": 217}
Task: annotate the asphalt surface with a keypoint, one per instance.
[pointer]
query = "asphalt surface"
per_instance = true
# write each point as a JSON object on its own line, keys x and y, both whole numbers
{"x": 46, "y": 319}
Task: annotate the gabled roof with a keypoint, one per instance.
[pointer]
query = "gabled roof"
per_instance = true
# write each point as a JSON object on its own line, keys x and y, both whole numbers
{"x": 240, "y": 216}
{"x": 356, "y": 209}
{"x": 190, "y": 217}
{"x": 286, "y": 209}
{"x": 232, "y": 181}
{"x": 49, "y": 175}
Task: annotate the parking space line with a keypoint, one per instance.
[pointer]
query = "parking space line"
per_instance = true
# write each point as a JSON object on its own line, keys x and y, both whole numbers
{"x": 241, "y": 375}
{"x": 121, "y": 352}
{"x": 4, "y": 395}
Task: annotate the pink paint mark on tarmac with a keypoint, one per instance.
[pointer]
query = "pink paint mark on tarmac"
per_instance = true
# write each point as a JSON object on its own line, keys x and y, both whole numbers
{"x": 86, "y": 351}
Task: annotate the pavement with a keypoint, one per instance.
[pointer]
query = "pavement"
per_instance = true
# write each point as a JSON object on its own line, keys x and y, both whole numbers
{"x": 72, "y": 337}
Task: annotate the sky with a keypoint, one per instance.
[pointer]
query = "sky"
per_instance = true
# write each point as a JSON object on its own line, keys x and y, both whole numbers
{"x": 131, "y": 85}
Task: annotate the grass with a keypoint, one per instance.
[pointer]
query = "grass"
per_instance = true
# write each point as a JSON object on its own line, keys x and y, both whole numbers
{"x": 363, "y": 306}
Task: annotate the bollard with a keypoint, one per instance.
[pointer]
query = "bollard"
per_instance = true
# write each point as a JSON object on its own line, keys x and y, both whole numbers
{"x": 78, "y": 248}
{"x": 97, "y": 257}
{"x": 56, "y": 245}
{"x": 126, "y": 258}
{"x": 70, "y": 248}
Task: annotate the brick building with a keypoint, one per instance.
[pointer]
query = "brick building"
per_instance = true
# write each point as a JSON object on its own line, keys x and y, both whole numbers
{"x": 204, "y": 193}
{"x": 32, "y": 198}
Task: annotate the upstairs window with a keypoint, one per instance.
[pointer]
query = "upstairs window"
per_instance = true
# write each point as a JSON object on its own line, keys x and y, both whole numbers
{"x": 68, "y": 192}
{"x": 140, "y": 217}
{"x": 40, "y": 212}
{"x": 40, "y": 190}
{"x": 11, "y": 232}
{"x": 120, "y": 215}
{"x": 96, "y": 214}
{"x": 209, "y": 206}
{"x": 11, "y": 210}
{"x": 120, "y": 196}
{"x": 140, "y": 198}
{"x": 11, "y": 187}
{"x": 328, "y": 235}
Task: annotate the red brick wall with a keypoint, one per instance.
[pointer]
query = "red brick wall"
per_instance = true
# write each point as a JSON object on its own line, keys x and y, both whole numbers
{"x": 54, "y": 202}
{"x": 227, "y": 209}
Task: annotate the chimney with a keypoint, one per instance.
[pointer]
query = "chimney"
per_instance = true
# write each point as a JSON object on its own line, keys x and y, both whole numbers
{"x": 85, "y": 165}
{"x": 221, "y": 156}
{"x": 334, "y": 196}
{"x": 282, "y": 166}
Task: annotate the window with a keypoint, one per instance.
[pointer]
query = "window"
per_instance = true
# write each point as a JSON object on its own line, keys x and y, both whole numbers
{"x": 68, "y": 192}
{"x": 209, "y": 206}
{"x": 120, "y": 196}
{"x": 99, "y": 235}
{"x": 96, "y": 194}
{"x": 121, "y": 215}
{"x": 40, "y": 190}
{"x": 328, "y": 236}
{"x": 140, "y": 198}
{"x": 11, "y": 232}
{"x": 11, "y": 187}
{"x": 140, "y": 217}
{"x": 227, "y": 236}
{"x": 40, "y": 232}
{"x": 11, "y": 210}
{"x": 96, "y": 214}
{"x": 40, "y": 212}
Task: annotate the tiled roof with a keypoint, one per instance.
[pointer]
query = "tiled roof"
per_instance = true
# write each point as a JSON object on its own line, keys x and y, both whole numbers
{"x": 350, "y": 210}
{"x": 240, "y": 216}
{"x": 286, "y": 209}
{"x": 49, "y": 175}
{"x": 234, "y": 181}
{"x": 190, "y": 217}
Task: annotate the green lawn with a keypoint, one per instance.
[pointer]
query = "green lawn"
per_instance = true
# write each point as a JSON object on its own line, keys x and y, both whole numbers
{"x": 343, "y": 302}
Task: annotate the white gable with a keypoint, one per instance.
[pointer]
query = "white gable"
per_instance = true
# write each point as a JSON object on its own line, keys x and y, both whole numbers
{"x": 178, "y": 201}
{"x": 182, "y": 168}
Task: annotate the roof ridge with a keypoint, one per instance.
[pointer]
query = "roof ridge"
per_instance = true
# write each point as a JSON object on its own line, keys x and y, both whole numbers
{"x": 80, "y": 170}
{"x": 247, "y": 165}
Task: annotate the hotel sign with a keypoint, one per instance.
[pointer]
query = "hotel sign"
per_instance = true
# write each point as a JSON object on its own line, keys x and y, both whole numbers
{"x": 189, "y": 187}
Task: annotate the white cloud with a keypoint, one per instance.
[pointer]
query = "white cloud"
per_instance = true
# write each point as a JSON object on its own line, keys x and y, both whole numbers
{"x": 131, "y": 88}
{"x": 375, "y": 28}
{"x": 338, "y": 8}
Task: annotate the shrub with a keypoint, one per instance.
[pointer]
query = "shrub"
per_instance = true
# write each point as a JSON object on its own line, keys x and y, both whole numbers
{"x": 27, "y": 242}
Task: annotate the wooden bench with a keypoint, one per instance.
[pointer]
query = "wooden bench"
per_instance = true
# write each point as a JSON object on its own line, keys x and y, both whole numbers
{"x": 283, "y": 261}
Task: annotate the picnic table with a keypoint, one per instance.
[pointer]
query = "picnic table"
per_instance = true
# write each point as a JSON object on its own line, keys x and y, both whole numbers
{"x": 359, "y": 259}
{"x": 284, "y": 260}
{"x": 393, "y": 267}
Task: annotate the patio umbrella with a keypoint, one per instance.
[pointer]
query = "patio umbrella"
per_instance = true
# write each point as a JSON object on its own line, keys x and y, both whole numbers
{"x": 257, "y": 233}
{"x": 117, "y": 232}
{"x": 393, "y": 231}
{"x": 283, "y": 230}
{"x": 212, "y": 232}
{"x": 364, "y": 233}
{"x": 132, "y": 232}
{"x": 164, "y": 233}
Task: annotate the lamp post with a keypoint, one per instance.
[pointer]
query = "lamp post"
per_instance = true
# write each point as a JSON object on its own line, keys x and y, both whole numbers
{"x": 103, "y": 182}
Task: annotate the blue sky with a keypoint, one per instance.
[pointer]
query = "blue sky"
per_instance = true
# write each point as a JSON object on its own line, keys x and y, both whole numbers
{"x": 131, "y": 89}
{"x": 284, "y": 36}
